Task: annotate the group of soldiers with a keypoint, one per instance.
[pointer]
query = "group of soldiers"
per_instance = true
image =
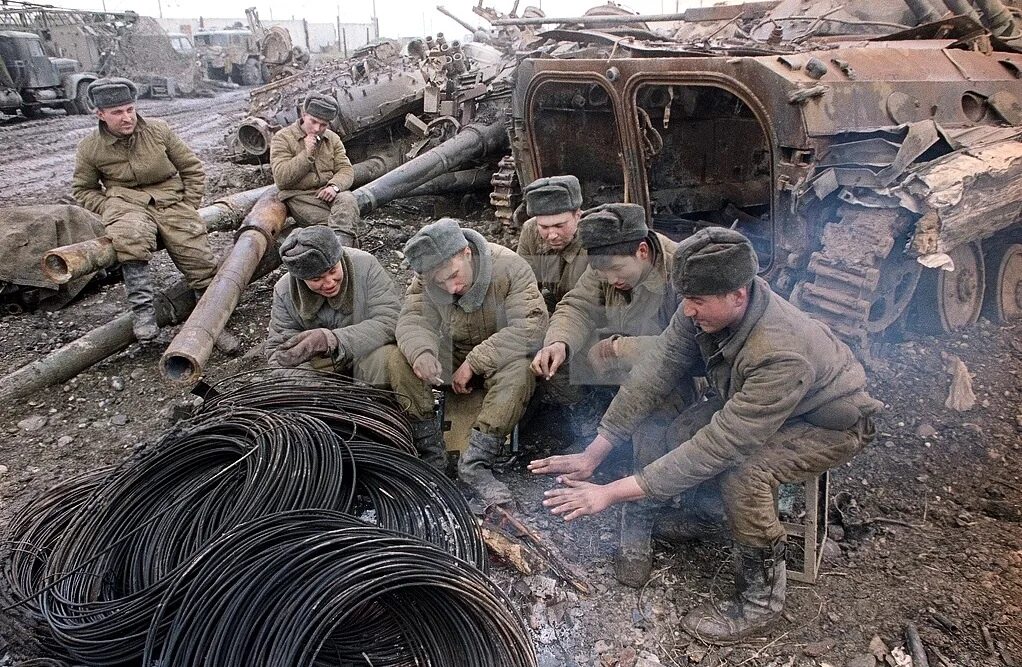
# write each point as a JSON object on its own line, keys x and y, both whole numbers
{"x": 591, "y": 298}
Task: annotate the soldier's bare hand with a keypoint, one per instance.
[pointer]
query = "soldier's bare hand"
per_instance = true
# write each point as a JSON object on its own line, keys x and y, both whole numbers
{"x": 428, "y": 369}
{"x": 311, "y": 141}
{"x": 327, "y": 194}
{"x": 549, "y": 359}
{"x": 461, "y": 379}
{"x": 571, "y": 466}
{"x": 577, "y": 499}
{"x": 601, "y": 356}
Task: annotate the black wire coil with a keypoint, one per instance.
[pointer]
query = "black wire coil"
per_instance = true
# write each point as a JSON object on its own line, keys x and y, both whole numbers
{"x": 106, "y": 560}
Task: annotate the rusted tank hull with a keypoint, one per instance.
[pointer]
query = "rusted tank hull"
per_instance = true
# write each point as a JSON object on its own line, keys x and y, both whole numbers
{"x": 185, "y": 358}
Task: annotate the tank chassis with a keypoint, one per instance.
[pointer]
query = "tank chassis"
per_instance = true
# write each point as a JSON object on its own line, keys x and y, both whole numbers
{"x": 859, "y": 165}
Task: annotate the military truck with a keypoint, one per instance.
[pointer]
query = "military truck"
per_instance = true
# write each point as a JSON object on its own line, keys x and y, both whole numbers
{"x": 31, "y": 81}
{"x": 872, "y": 152}
{"x": 231, "y": 55}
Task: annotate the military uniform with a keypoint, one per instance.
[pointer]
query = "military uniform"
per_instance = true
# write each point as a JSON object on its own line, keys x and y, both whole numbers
{"x": 557, "y": 271}
{"x": 362, "y": 317}
{"x": 299, "y": 175}
{"x": 793, "y": 405}
{"x": 496, "y": 327}
{"x": 146, "y": 186}
{"x": 594, "y": 310}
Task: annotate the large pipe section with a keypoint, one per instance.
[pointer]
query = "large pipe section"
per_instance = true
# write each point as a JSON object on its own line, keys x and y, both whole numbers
{"x": 923, "y": 10}
{"x": 172, "y": 306}
{"x": 997, "y": 18}
{"x": 963, "y": 8}
{"x": 64, "y": 264}
{"x": 467, "y": 180}
{"x": 474, "y": 141}
{"x": 184, "y": 359}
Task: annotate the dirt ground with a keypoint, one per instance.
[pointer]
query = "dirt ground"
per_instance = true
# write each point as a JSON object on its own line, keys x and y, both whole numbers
{"x": 930, "y": 528}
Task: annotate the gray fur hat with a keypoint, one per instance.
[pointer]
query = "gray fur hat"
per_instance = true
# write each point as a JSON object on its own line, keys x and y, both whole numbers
{"x": 321, "y": 106}
{"x": 434, "y": 244}
{"x": 111, "y": 92}
{"x": 310, "y": 252}
{"x": 611, "y": 224}
{"x": 549, "y": 196}
{"x": 714, "y": 260}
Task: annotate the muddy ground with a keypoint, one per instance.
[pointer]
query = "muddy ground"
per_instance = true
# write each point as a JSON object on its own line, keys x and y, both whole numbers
{"x": 932, "y": 531}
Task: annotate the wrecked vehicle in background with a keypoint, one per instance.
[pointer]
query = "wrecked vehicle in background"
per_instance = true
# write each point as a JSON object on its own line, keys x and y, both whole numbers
{"x": 249, "y": 56}
{"x": 393, "y": 107}
{"x": 31, "y": 81}
{"x": 863, "y": 147}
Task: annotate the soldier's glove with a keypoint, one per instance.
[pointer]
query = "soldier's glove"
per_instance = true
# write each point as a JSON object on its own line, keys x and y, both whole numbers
{"x": 603, "y": 355}
{"x": 304, "y": 346}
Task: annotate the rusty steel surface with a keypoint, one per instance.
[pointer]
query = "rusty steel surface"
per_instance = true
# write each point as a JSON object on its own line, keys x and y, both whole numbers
{"x": 63, "y": 264}
{"x": 185, "y": 357}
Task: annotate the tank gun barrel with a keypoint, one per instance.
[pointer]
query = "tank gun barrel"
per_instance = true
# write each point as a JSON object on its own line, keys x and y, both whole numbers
{"x": 474, "y": 141}
{"x": 923, "y": 10}
{"x": 64, "y": 264}
{"x": 183, "y": 361}
{"x": 963, "y": 8}
{"x": 464, "y": 24}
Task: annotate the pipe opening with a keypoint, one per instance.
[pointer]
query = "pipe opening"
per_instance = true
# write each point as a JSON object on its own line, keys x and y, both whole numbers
{"x": 56, "y": 268}
{"x": 253, "y": 139}
{"x": 177, "y": 368}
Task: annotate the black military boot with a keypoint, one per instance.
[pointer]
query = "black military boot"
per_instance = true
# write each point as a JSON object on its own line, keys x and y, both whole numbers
{"x": 139, "y": 288}
{"x": 429, "y": 443}
{"x": 633, "y": 561}
{"x": 760, "y": 580}
{"x": 475, "y": 468}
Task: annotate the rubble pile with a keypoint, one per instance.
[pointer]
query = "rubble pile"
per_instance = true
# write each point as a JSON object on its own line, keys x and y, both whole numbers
{"x": 144, "y": 52}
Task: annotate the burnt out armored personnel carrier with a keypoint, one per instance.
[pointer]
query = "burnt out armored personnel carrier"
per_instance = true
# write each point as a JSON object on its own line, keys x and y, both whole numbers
{"x": 871, "y": 149}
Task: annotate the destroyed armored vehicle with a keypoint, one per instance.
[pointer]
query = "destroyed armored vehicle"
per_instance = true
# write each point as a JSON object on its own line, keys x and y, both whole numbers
{"x": 231, "y": 55}
{"x": 872, "y": 152}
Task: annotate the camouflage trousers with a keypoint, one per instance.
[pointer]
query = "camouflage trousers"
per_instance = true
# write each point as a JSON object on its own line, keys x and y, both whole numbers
{"x": 136, "y": 229}
{"x": 747, "y": 490}
{"x": 508, "y": 391}
{"x": 340, "y": 215}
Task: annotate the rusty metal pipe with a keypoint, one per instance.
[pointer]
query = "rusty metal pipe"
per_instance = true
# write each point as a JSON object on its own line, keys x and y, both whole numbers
{"x": 64, "y": 264}
{"x": 475, "y": 140}
{"x": 186, "y": 356}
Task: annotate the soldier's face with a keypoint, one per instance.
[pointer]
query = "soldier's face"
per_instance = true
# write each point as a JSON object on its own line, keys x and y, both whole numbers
{"x": 716, "y": 312}
{"x": 328, "y": 284}
{"x": 623, "y": 272}
{"x": 455, "y": 275}
{"x": 558, "y": 229}
{"x": 313, "y": 125}
{"x": 119, "y": 121}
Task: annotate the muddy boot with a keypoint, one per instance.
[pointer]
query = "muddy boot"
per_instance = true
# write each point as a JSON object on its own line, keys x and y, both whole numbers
{"x": 633, "y": 561}
{"x": 429, "y": 443}
{"x": 344, "y": 219}
{"x": 225, "y": 341}
{"x": 476, "y": 468}
{"x": 760, "y": 579}
{"x": 139, "y": 287}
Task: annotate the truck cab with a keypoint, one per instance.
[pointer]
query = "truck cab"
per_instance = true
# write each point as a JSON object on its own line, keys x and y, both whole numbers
{"x": 31, "y": 81}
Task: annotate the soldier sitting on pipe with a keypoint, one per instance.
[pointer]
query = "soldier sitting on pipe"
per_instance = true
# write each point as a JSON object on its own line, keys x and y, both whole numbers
{"x": 472, "y": 318}
{"x": 335, "y": 309}
{"x": 789, "y": 403}
{"x": 312, "y": 171}
{"x": 146, "y": 184}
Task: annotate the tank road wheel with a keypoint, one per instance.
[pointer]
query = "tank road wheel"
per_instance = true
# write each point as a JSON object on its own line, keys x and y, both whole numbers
{"x": 1003, "y": 303}
{"x": 949, "y": 301}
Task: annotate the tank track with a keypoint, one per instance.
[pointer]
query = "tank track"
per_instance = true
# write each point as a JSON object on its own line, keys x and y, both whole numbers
{"x": 844, "y": 279}
{"x": 506, "y": 193}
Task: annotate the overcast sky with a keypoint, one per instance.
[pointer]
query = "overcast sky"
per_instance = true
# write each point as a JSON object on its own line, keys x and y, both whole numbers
{"x": 398, "y": 18}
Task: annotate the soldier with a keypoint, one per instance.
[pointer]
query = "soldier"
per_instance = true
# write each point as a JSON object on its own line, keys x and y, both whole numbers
{"x": 473, "y": 317}
{"x": 312, "y": 171}
{"x": 549, "y": 240}
{"x": 620, "y": 304}
{"x": 146, "y": 184}
{"x": 335, "y": 309}
{"x": 790, "y": 403}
